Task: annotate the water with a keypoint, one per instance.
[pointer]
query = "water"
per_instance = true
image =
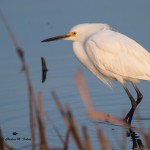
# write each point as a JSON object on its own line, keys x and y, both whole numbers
{"x": 32, "y": 22}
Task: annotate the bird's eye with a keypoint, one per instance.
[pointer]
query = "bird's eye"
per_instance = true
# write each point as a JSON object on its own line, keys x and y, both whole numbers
{"x": 74, "y": 33}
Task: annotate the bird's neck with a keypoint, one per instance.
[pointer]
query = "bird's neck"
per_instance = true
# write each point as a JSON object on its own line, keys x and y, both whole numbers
{"x": 80, "y": 53}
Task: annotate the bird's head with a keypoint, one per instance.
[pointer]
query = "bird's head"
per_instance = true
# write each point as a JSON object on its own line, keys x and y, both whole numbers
{"x": 79, "y": 32}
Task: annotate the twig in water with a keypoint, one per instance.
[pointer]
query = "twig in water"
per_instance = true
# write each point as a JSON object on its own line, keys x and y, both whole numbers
{"x": 44, "y": 69}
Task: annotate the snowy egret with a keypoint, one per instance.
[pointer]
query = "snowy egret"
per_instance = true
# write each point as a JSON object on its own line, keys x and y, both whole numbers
{"x": 110, "y": 55}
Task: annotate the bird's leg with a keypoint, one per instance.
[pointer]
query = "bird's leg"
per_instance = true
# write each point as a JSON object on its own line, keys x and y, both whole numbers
{"x": 139, "y": 94}
{"x": 129, "y": 115}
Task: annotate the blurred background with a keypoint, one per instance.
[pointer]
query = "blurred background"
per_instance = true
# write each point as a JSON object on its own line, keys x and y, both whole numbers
{"x": 33, "y": 21}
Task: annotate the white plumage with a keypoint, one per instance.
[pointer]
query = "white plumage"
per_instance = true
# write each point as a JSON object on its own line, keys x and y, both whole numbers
{"x": 110, "y": 55}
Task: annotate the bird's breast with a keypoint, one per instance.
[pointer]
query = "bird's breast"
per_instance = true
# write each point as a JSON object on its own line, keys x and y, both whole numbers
{"x": 82, "y": 56}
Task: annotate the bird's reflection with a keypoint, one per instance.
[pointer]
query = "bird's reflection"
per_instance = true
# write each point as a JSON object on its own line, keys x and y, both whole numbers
{"x": 137, "y": 143}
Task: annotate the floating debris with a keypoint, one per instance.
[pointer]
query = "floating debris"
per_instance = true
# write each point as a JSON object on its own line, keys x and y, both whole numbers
{"x": 44, "y": 69}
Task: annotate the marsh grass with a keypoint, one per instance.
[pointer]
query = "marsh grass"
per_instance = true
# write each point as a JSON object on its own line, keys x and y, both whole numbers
{"x": 37, "y": 116}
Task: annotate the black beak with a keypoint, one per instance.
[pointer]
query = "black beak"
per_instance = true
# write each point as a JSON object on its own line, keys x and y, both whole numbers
{"x": 56, "y": 38}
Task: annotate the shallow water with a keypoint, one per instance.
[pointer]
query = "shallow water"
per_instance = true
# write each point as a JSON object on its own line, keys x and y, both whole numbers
{"x": 32, "y": 22}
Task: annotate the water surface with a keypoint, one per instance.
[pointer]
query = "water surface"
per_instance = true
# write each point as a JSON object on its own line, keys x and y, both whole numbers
{"x": 32, "y": 22}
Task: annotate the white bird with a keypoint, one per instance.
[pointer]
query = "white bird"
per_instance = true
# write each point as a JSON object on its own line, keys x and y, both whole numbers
{"x": 110, "y": 55}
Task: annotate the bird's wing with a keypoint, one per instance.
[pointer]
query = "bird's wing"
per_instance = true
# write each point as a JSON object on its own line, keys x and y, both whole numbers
{"x": 113, "y": 52}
